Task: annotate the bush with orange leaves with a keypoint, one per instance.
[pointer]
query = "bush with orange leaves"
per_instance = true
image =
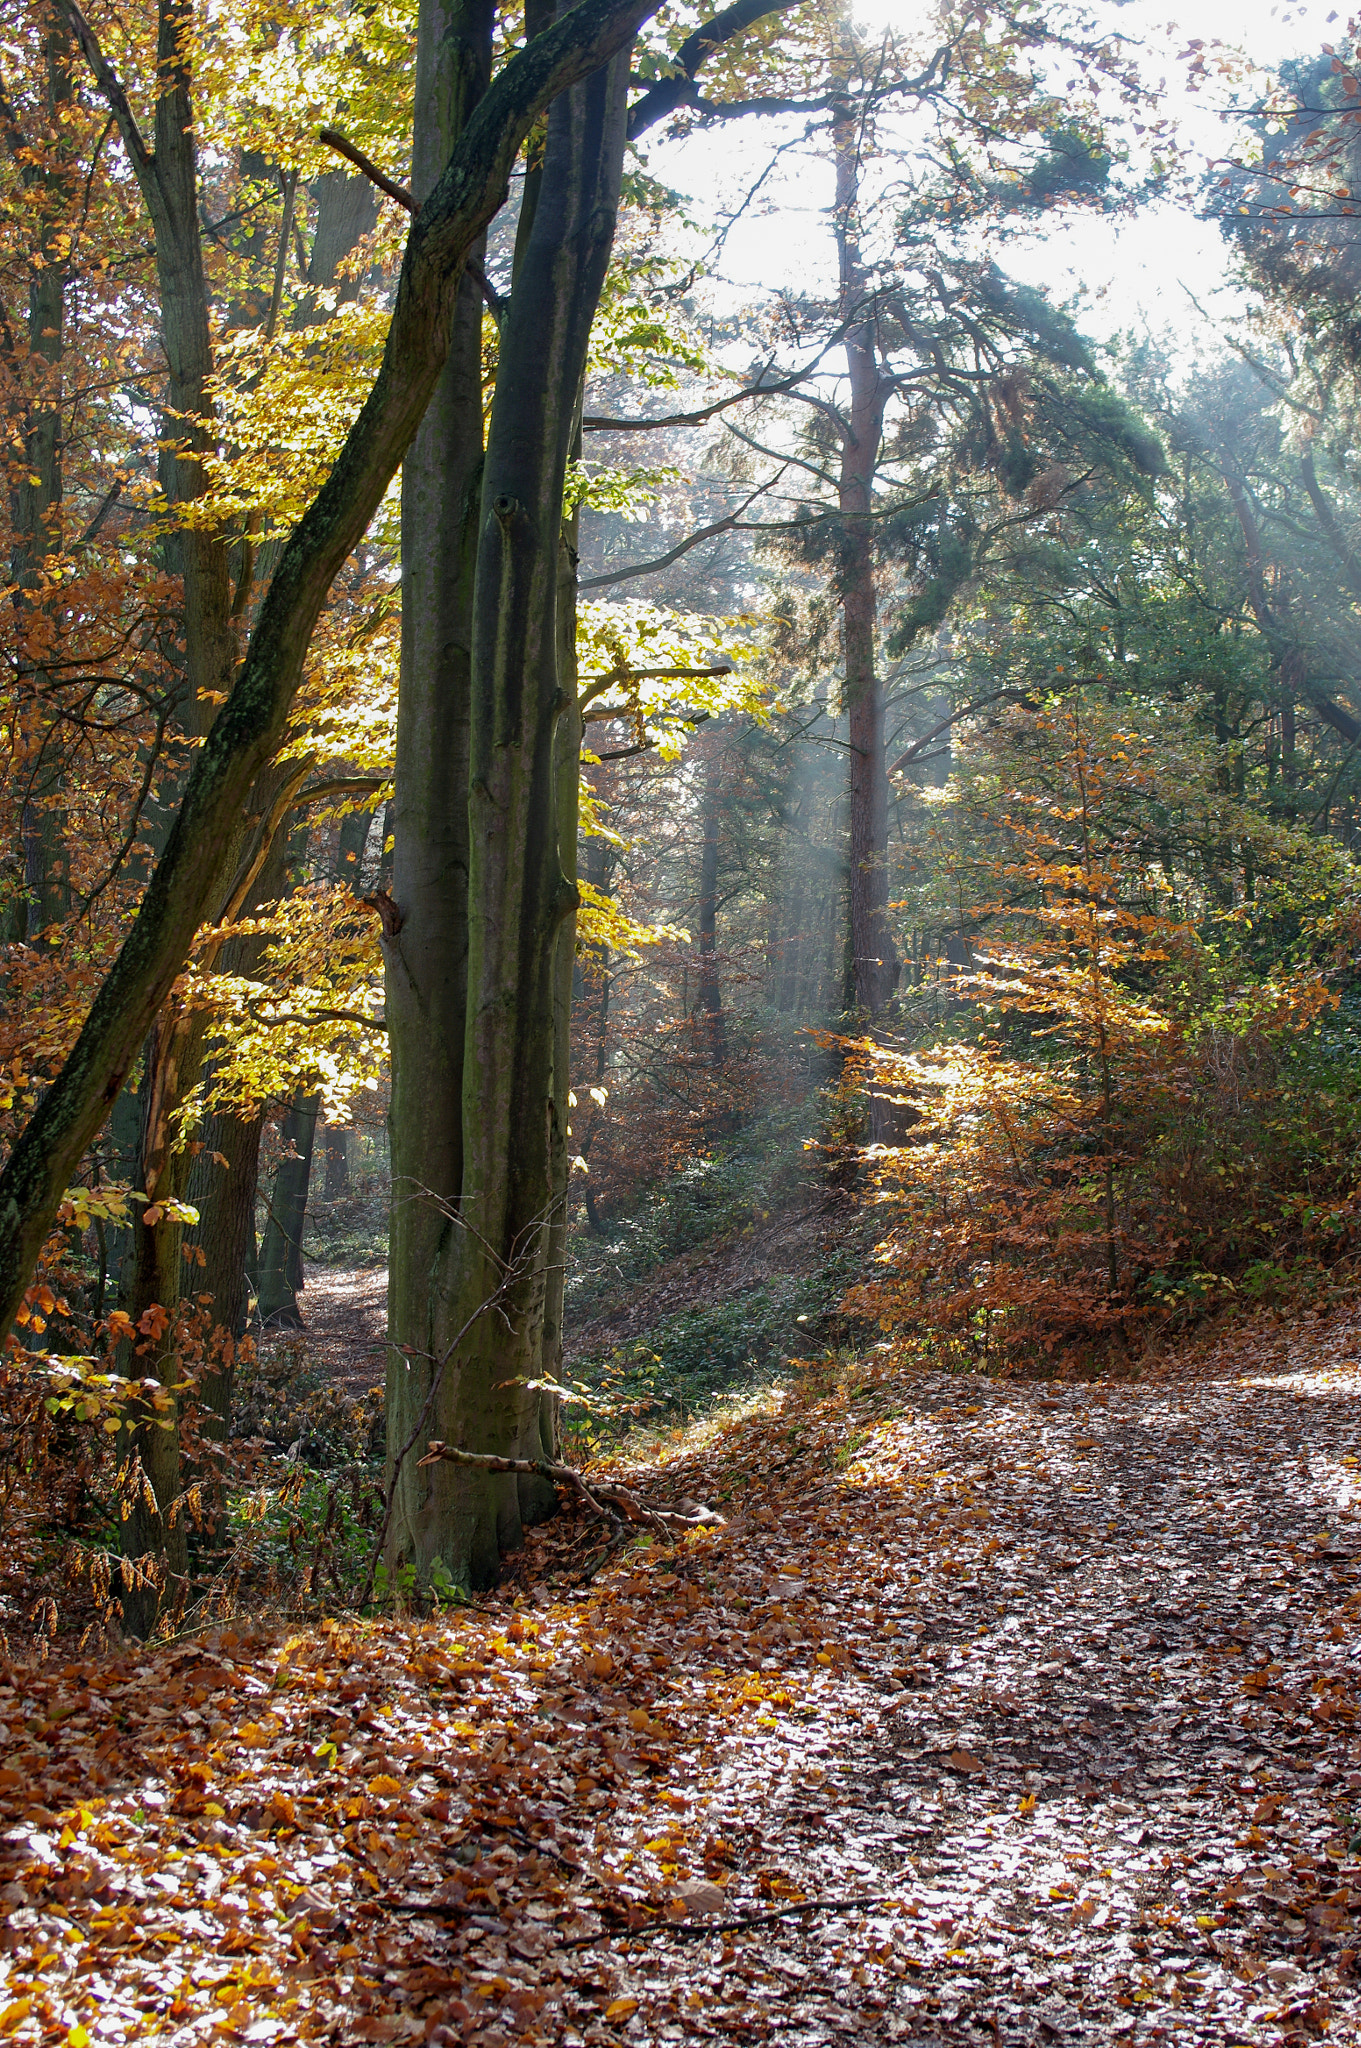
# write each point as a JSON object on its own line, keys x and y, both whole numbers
{"x": 1125, "y": 1122}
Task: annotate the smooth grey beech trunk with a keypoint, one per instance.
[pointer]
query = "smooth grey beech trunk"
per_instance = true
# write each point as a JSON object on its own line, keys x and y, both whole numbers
{"x": 569, "y": 738}
{"x": 427, "y": 963}
{"x": 500, "y": 1238}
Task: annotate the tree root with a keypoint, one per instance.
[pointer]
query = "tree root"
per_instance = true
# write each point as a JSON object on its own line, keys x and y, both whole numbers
{"x": 605, "y": 1498}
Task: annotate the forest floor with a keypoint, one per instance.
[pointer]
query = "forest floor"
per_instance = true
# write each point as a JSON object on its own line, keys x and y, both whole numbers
{"x": 997, "y": 1711}
{"x": 345, "y": 1314}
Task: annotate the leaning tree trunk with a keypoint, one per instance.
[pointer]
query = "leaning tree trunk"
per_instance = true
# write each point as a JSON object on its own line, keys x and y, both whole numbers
{"x": 520, "y": 901}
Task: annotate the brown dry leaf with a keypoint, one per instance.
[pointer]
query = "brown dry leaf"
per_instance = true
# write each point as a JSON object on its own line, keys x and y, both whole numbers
{"x": 699, "y": 1896}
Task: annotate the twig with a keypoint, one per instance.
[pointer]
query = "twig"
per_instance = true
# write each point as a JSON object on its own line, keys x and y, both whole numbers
{"x": 689, "y": 1927}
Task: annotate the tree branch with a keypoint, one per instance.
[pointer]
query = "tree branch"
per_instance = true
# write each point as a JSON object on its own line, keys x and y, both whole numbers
{"x": 111, "y": 85}
{"x": 597, "y": 423}
{"x": 1327, "y": 519}
{"x": 610, "y": 1492}
{"x": 351, "y": 152}
{"x": 671, "y": 93}
{"x": 342, "y": 785}
{"x": 964, "y": 711}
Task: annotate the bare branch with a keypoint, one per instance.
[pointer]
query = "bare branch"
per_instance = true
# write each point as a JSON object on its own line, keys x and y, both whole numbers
{"x": 610, "y": 1492}
{"x": 351, "y": 152}
{"x": 598, "y": 423}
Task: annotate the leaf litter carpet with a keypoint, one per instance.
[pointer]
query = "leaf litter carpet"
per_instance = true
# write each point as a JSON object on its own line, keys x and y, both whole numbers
{"x": 996, "y": 1713}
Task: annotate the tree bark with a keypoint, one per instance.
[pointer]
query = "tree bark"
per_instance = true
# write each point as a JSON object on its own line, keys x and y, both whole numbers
{"x": 46, "y": 181}
{"x": 224, "y": 1195}
{"x": 427, "y": 964}
{"x": 874, "y": 958}
{"x": 520, "y": 899}
{"x": 336, "y": 1148}
{"x": 710, "y": 995}
{"x": 533, "y": 1504}
{"x": 281, "y": 1269}
{"x": 150, "y": 1295}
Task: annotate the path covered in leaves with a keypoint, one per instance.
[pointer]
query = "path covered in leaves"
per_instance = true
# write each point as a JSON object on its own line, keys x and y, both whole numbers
{"x": 1047, "y": 1697}
{"x": 344, "y": 1313}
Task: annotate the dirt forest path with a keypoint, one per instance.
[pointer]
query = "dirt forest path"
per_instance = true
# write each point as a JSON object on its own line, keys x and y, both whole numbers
{"x": 1031, "y": 1711}
{"x": 345, "y": 1312}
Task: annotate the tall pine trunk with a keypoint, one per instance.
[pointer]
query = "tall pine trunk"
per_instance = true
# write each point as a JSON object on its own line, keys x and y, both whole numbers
{"x": 874, "y": 959}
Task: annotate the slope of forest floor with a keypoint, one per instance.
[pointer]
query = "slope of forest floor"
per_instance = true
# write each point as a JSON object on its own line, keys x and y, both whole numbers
{"x": 713, "y": 1319}
{"x": 715, "y": 1277}
{"x": 996, "y": 1711}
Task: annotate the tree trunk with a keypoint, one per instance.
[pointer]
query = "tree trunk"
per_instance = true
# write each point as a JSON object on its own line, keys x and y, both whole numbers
{"x": 520, "y": 900}
{"x": 336, "y": 1147}
{"x": 598, "y": 875}
{"x": 874, "y": 960}
{"x": 38, "y": 489}
{"x": 792, "y": 951}
{"x": 281, "y": 1271}
{"x": 224, "y": 1194}
{"x": 427, "y": 963}
{"x": 710, "y": 996}
{"x": 223, "y": 1182}
{"x": 533, "y": 1505}
{"x": 150, "y": 1295}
